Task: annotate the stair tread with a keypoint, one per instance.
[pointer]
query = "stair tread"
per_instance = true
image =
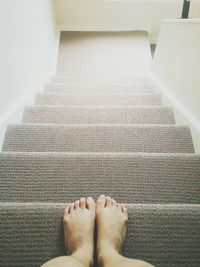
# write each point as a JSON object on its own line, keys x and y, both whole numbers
{"x": 94, "y": 99}
{"x": 97, "y": 88}
{"x": 129, "y": 177}
{"x": 98, "y": 138}
{"x": 99, "y": 114}
{"x": 100, "y": 79}
{"x": 164, "y": 235}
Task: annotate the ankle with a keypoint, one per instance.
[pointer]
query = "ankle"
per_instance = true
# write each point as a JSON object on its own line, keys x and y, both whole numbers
{"x": 84, "y": 255}
{"x": 107, "y": 254}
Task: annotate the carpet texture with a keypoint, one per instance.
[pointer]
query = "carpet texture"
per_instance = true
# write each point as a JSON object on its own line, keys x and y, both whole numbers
{"x": 101, "y": 79}
{"x": 93, "y": 100}
{"x": 98, "y": 138}
{"x": 133, "y": 178}
{"x": 98, "y": 114}
{"x": 164, "y": 235}
{"x": 97, "y": 88}
{"x": 92, "y": 135}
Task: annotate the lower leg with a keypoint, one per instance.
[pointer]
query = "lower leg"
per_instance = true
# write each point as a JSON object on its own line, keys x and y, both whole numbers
{"x": 112, "y": 220}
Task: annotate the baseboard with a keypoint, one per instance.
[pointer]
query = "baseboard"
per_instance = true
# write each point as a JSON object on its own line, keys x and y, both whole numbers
{"x": 182, "y": 115}
{"x": 103, "y": 28}
{"x": 14, "y": 114}
{"x": 100, "y": 28}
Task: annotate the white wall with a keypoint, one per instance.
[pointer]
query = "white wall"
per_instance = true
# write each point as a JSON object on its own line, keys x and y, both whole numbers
{"x": 176, "y": 68}
{"x": 28, "y": 52}
{"x": 119, "y": 14}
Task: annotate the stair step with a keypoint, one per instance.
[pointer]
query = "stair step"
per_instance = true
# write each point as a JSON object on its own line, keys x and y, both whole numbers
{"x": 129, "y": 177}
{"x": 97, "y": 89}
{"x": 96, "y": 79}
{"x": 93, "y": 100}
{"x": 99, "y": 114}
{"x": 164, "y": 235}
{"x": 98, "y": 138}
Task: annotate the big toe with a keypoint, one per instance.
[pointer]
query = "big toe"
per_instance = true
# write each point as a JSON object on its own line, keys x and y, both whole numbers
{"x": 90, "y": 203}
{"x": 101, "y": 202}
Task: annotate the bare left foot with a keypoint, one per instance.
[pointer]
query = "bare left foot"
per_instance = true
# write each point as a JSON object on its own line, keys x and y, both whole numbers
{"x": 79, "y": 223}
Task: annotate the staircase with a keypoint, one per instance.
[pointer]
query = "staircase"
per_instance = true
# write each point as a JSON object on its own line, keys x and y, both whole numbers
{"x": 120, "y": 141}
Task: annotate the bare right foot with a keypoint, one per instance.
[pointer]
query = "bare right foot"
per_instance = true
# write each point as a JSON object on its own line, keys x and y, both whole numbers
{"x": 111, "y": 219}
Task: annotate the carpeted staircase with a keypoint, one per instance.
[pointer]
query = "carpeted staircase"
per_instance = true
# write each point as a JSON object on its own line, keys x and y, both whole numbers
{"x": 90, "y": 135}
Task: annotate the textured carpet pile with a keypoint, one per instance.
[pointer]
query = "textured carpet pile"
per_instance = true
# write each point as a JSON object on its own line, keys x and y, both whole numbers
{"x": 90, "y": 135}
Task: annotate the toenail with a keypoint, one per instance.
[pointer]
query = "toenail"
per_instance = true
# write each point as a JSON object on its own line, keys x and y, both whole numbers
{"x": 77, "y": 202}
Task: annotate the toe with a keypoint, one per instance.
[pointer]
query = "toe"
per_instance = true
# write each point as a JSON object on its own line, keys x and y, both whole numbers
{"x": 76, "y": 205}
{"x": 71, "y": 208}
{"x": 66, "y": 213}
{"x": 124, "y": 210}
{"x": 101, "y": 197}
{"x": 82, "y": 203}
{"x": 114, "y": 203}
{"x": 108, "y": 202}
{"x": 101, "y": 202}
{"x": 90, "y": 204}
{"x": 118, "y": 206}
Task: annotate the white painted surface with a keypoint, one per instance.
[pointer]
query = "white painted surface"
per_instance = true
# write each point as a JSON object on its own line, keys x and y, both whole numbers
{"x": 28, "y": 53}
{"x": 176, "y": 68}
{"x": 104, "y": 54}
{"x": 102, "y": 15}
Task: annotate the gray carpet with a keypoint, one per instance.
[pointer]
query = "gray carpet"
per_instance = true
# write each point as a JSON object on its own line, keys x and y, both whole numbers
{"x": 101, "y": 79}
{"x": 165, "y": 235}
{"x": 133, "y": 178}
{"x": 99, "y": 114}
{"x": 98, "y": 138}
{"x": 94, "y": 100}
{"x": 97, "y": 88}
{"x": 86, "y": 136}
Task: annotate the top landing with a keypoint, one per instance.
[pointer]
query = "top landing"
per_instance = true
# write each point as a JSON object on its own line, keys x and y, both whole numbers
{"x": 104, "y": 53}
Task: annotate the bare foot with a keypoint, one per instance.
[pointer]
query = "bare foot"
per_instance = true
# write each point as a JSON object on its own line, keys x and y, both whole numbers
{"x": 111, "y": 219}
{"x": 79, "y": 222}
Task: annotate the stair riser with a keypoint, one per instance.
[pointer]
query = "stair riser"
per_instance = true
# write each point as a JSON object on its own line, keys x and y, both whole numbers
{"x": 96, "y": 89}
{"x": 93, "y": 138}
{"x": 101, "y": 115}
{"x": 101, "y": 80}
{"x": 154, "y": 232}
{"x": 95, "y": 100}
{"x": 133, "y": 178}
